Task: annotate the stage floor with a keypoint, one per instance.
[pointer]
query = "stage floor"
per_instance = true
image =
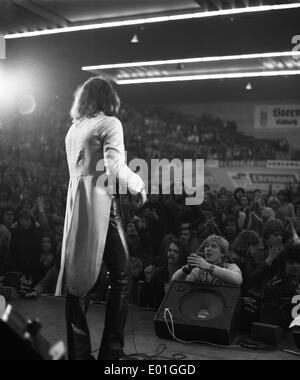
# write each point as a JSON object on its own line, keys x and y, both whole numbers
{"x": 140, "y": 333}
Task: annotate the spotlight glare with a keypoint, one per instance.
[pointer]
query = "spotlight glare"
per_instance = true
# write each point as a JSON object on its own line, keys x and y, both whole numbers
{"x": 26, "y": 104}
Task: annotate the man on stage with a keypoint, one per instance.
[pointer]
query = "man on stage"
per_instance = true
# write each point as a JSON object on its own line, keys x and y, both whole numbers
{"x": 93, "y": 228}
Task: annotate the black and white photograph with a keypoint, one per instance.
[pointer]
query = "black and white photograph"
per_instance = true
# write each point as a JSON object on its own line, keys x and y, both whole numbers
{"x": 149, "y": 182}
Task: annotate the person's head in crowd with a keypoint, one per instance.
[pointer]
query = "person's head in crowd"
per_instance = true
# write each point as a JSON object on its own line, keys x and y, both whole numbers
{"x": 185, "y": 235}
{"x": 267, "y": 214}
{"x": 131, "y": 229}
{"x": 207, "y": 211}
{"x": 238, "y": 193}
{"x": 59, "y": 232}
{"x": 206, "y": 188}
{"x": 258, "y": 201}
{"x": 48, "y": 250}
{"x": 231, "y": 228}
{"x": 273, "y": 233}
{"x": 283, "y": 218}
{"x": 244, "y": 201}
{"x": 233, "y": 207}
{"x": 8, "y": 216}
{"x": 257, "y": 193}
{"x": 5, "y": 238}
{"x": 215, "y": 250}
{"x": 5, "y": 192}
{"x": 174, "y": 253}
{"x": 243, "y": 242}
{"x": 292, "y": 266}
{"x": 148, "y": 272}
{"x": 166, "y": 240}
{"x": 26, "y": 204}
{"x": 135, "y": 266}
{"x": 48, "y": 244}
{"x": 94, "y": 96}
{"x": 48, "y": 205}
{"x": 222, "y": 201}
{"x": 25, "y": 220}
{"x": 274, "y": 203}
{"x": 282, "y": 196}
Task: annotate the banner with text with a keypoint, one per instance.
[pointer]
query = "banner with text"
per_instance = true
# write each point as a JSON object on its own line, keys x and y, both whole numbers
{"x": 251, "y": 178}
{"x": 277, "y": 116}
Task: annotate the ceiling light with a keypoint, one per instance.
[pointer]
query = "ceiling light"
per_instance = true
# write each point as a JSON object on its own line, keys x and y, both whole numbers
{"x": 193, "y": 60}
{"x": 209, "y": 76}
{"x": 156, "y": 19}
{"x": 135, "y": 39}
{"x": 180, "y": 66}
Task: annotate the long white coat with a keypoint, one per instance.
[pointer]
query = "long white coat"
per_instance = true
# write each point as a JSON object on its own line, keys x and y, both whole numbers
{"x": 95, "y": 149}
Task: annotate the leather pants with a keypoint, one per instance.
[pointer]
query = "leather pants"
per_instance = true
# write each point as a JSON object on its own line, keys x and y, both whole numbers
{"x": 116, "y": 259}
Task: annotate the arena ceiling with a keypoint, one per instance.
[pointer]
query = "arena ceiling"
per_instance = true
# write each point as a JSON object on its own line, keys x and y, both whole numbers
{"x": 20, "y": 16}
{"x": 57, "y": 59}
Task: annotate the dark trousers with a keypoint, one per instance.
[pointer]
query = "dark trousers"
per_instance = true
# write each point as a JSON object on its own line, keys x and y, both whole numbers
{"x": 78, "y": 337}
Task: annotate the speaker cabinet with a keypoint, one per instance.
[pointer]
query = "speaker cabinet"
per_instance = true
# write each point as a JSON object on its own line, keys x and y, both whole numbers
{"x": 200, "y": 312}
{"x": 21, "y": 339}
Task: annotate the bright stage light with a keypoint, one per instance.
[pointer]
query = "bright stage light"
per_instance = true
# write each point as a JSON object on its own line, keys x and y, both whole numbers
{"x": 26, "y": 104}
{"x": 7, "y": 92}
{"x": 14, "y": 89}
{"x": 150, "y": 20}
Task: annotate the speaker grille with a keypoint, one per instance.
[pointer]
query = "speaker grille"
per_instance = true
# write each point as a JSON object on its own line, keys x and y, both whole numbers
{"x": 201, "y": 307}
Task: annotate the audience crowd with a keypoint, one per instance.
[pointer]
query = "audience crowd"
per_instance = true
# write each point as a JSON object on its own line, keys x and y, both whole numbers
{"x": 241, "y": 238}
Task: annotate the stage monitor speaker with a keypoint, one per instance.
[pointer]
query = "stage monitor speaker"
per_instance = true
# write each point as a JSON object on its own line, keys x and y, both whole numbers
{"x": 200, "y": 312}
{"x": 21, "y": 339}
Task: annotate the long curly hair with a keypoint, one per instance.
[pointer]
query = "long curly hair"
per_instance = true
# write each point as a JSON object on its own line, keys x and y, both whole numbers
{"x": 244, "y": 241}
{"x": 178, "y": 243}
{"x": 96, "y": 95}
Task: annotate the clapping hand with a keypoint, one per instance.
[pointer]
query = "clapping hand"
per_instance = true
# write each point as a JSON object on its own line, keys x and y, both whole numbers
{"x": 31, "y": 295}
{"x": 196, "y": 261}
